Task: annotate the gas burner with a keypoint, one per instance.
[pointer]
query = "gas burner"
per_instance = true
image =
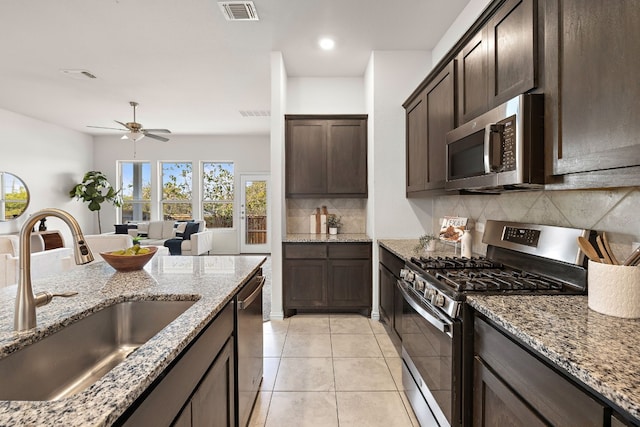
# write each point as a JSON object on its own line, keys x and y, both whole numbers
{"x": 439, "y": 263}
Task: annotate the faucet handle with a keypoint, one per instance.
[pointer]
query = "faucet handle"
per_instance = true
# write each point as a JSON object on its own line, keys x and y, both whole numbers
{"x": 44, "y": 298}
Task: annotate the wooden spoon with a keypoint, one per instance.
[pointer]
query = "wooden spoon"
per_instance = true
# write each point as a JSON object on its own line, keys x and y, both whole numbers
{"x": 607, "y": 246}
{"x": 588, "y": 249}
{"x": 603, "y": 251}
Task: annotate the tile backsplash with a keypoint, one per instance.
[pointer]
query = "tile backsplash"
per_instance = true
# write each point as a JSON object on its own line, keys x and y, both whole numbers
{"x": 353, "y": 213}
{"x": 615, "y": 211}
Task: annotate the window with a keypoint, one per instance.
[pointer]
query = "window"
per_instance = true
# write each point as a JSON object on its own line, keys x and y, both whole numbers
{"x": 14, "y": 197}
{"x": 136, "y": 191}
{"x": 176, "y": 191}
{"x": 217, "y": 194}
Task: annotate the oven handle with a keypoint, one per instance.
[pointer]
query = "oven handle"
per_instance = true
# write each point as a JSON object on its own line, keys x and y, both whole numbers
{"x": 439, "y": 324}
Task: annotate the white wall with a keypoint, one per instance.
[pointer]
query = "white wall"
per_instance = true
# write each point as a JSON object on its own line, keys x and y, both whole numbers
{"x": 391, "y": 76}
{"x": 50, "y": 160}
{"x": 250, "y": 154}
{"x": 318, "y": 95}
{"x": 278, "y": 203}
{"x": 467, "y": 17}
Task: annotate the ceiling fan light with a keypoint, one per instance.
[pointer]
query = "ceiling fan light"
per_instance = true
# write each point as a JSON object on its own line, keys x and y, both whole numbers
{"x": 133, "y": 136}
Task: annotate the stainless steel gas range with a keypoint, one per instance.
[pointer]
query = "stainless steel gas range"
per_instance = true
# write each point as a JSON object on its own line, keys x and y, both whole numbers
{"x": 436, "y": 328}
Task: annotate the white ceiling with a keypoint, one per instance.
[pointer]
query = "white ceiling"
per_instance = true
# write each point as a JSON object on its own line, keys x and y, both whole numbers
{"x": 190, "y": 69}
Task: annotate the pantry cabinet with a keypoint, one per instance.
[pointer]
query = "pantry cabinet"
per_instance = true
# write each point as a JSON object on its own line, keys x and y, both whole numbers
{"x": 592, "y": 92}
{"x": 430, "y": 114}
{"x": 326, "y": 277}
{"x": 326, "y": 156}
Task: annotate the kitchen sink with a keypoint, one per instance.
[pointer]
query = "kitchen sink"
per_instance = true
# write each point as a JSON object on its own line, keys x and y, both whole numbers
{"x": 77, "y": 356}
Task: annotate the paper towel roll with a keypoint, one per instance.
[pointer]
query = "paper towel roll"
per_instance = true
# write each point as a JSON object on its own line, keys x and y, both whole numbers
{"x": 614, "y": 290}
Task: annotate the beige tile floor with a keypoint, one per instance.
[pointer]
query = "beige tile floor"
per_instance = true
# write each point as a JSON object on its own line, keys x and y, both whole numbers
{"x": 326, "y": 370}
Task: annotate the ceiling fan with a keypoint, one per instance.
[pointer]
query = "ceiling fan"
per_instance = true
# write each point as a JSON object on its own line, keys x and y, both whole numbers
{"x": 135, "y": 130}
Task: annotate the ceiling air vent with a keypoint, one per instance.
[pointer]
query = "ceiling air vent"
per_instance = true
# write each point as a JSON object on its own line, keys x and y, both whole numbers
{"x": 239, "y": 10}
{"x": 255, "y": 113}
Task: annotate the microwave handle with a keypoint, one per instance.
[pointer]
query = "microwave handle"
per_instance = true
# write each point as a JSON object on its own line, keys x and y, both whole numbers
{"x": 493, "y": 135}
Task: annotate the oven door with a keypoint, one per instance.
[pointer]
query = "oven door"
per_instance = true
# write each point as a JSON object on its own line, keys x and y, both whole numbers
{"x": 432, "y": 356}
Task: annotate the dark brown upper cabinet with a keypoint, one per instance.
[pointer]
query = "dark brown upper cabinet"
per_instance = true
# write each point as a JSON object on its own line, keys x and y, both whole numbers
{"x": 430, "y": 114}
{"x": 326, "y": 156}
{"x": 592, "y": 92}
{"x": 499, "y": 61}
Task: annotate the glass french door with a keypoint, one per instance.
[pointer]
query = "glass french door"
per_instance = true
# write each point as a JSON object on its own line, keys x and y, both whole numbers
{"x": 255, "y": 223}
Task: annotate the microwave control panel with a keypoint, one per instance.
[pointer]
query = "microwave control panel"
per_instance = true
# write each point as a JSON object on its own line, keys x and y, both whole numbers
{"x": 508, "y": 149}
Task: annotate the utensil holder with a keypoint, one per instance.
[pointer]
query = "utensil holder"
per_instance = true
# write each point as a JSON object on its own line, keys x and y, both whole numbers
{"x": 614, "y": 290}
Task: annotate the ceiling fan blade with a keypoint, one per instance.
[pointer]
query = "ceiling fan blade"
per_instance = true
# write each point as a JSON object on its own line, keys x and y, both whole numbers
{"x": 156, "y": 130}
{"x": 102, "y": 127}
{"x": 159, "y": 138}
{"x": 123, "y": 124}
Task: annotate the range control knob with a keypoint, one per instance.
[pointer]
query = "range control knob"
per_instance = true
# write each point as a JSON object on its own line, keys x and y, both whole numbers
{"x": 430, "y": 293}
{"x": 438, "y": 300}
{"x": 407, "y": 275}
{"x": 418, "y": 285}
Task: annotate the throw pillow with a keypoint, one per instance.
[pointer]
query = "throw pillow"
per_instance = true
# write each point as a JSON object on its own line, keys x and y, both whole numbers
{"x": 122, "y": 228}
{"x": 191, "y": 228}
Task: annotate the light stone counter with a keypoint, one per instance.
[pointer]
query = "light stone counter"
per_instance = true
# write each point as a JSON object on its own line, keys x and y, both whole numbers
{"x": 210, "y": 280}
{"x": 405, "y": 248}
{"x": 327, "y": 238}
{"x": 600, "y": 351}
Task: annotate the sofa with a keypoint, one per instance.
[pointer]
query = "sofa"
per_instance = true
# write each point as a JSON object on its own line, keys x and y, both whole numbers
{"x": 43, "y": 263}
{"x": 156, "y": 233}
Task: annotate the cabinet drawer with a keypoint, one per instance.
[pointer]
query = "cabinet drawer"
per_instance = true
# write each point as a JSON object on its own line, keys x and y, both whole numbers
{"x": 350, "y": 250}
{"x": 550, "y": 394}
{"x": 392, "y": 262}
{"x": 305, "y": 250}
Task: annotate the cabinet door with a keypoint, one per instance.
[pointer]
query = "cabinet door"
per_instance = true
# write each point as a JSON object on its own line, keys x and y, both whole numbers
{"x": 441, "y": 115}
{"x": 416, "y": 118}
{"x": 350, "y": 283}
{"x": 512, "y": 51}
{"x": 306, "y": 157}
{"x": 494, "y": 404}
{"x": 472, "y": 78}
{"x": 591, "y": 54}
{"x": 213, "y": 403}
{"x": 387, "y": 283}
{"x": 347, "y": 157}
{"x": 305, "y": 283}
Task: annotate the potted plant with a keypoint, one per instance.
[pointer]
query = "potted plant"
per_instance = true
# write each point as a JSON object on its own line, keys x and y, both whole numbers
{"x": 334, "y": 222}
{"x": 95, "y": 190}
{"x": 426, "y": 242}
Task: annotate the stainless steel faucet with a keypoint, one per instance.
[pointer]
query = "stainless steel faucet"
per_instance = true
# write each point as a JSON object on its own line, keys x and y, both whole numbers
{"x": 26, "y": 301}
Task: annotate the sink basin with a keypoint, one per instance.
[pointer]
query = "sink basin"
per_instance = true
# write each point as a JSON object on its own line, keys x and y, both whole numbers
{"x": 77, "y": 356}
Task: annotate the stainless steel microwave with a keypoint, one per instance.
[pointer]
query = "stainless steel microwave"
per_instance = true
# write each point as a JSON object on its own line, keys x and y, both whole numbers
{"x": 503, "y": 149}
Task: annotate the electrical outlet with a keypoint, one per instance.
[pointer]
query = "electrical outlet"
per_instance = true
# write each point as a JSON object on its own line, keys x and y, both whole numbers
{"x": 634, "y": 245}
{"x": 480, "y": 227}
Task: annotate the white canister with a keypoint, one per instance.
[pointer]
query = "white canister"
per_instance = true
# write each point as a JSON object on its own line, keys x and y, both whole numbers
{"x": 466, "y": 243}
{"x": 614, "y": 290}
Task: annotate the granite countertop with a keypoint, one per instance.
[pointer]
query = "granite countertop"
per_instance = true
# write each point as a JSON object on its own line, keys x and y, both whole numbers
{"x": 327, "y": 238}
{"x": 211, "y": 281}
{"x": 405, "y": 248}
{"x": 600, "y": 351}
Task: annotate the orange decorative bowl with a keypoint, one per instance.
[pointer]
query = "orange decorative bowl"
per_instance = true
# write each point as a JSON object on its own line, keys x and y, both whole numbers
{"x": 129, "y": 262}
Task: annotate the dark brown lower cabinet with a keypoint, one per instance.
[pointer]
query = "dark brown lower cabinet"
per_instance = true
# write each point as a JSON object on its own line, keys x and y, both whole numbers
{"x": 495, "y": 404}
{"x": 513, "y": 387}
{"x": 326, "y": 276}
{"x": 391, "y": 301}
{"x": 198, "y": 388}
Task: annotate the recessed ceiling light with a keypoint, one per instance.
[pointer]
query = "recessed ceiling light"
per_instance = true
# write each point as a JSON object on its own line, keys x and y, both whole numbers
{"x": 327, "y": 43}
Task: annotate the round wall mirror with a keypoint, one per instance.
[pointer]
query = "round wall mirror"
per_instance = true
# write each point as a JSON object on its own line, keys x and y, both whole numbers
{"x": 14, "y": 196}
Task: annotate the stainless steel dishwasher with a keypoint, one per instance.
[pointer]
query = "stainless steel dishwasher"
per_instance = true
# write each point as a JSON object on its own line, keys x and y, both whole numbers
{"x": 249, "y": 346}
